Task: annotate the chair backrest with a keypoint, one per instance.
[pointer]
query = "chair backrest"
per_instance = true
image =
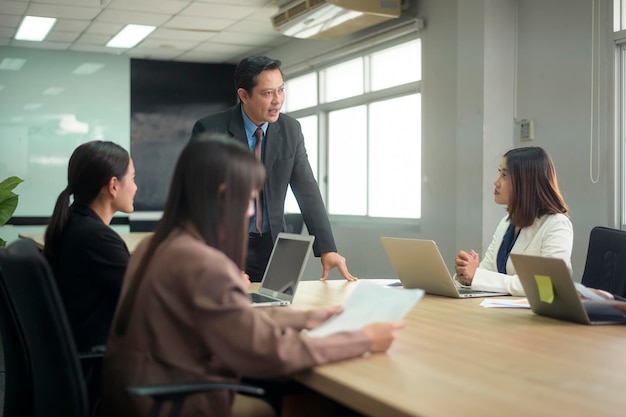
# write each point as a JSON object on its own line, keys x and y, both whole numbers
{"x": 605, "y": 267}
{"x": 18, "y": 395}
{"x": 58, "y": 387}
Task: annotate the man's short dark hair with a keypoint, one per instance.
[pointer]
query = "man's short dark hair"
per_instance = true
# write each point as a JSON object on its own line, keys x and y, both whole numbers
{"x": 248, "y": 69}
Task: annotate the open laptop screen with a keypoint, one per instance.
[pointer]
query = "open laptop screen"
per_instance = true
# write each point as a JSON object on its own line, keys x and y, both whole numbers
{"x": 286, "y": 263}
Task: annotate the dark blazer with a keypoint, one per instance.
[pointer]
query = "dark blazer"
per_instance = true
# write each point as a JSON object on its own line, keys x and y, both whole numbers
{"x": 89, "y": 274}
{"x": 286, "y": 163}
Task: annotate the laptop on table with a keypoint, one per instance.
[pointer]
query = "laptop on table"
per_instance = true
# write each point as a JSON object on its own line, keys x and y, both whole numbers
{"x": 284, "y": 270}
{"x": 419, "y": 264}
{"x": 551, "y": 292}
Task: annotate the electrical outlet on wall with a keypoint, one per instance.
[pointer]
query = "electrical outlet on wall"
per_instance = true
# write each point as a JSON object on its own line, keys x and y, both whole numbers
{"x": 527, "y": 131}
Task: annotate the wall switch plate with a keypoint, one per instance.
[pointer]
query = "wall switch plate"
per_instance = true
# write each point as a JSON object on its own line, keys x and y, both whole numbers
{"x": 527, "y": 131}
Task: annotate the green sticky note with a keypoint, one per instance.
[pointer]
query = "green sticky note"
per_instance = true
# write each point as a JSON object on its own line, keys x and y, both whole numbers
{"x": 544, "y": 285}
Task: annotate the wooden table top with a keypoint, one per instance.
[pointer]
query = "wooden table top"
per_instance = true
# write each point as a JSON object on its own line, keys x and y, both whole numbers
{"x": 456, "y": 358}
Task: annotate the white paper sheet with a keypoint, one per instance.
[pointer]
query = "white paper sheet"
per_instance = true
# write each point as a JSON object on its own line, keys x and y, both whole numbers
{"x": 507, "y": 302}
{"x": 370, "y": 303}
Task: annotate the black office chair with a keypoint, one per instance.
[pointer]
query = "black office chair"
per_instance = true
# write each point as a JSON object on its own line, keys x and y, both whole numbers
{"x": 17, "y": 400}
{"x": 39, "y": 332}
{"x": 605, "y": 267}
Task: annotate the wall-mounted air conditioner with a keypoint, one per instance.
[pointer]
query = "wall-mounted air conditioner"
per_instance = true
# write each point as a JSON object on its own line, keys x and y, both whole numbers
{"x": 330, "y": 19}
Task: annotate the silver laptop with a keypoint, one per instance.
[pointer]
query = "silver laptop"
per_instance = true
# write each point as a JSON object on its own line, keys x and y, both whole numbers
{"x": 551, "y": 292}
{"x": 284, "y": 270}
{"x": 419, "y": 264}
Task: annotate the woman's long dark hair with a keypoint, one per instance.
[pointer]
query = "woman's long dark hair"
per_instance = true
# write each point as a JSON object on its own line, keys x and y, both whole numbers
{"x": 91, "y": 167}
{"x": 535, "y": 189}
{"x": 210, "y": 190}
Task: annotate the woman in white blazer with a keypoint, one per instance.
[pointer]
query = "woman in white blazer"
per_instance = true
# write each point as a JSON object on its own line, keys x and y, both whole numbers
{"x": 537, "y": 223}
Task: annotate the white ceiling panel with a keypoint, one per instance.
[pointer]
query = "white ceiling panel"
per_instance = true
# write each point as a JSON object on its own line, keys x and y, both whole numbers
{"x": 167, "y": 44}
{"x": 199, "y": 23}
{"x": 155, "y": 6}
{"x": 254, "y": 3}
{"x": 72, "y": 12}
{"x": 13, "y": 7}
{"x": 218, "y": 47}
{"x": 183, "y": 35}
{"x": 236, "y": 38}
{"x": 42, "y": 45}
{"x": 187, "y": 30}
{"x": 264, "y": 15}
{"x": 105, "y": 28}
{"x": 11, "y": 21}
{"x": 218, "y": 11}
{"x": 159, "y": 54}
{"x": 137, "y": 18}
{"x": 6, "y": 32}
{"x": 69, "y": 25}
{"x": 65, "y": 37}
{"x": 80, "y": 47}
{"x": 253, "y": 26}
{"x": 94, "y": 39}
{"x": 90, "y": 3}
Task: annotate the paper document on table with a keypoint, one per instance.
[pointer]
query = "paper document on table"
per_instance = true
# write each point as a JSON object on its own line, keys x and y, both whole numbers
{"x": 370, "y": 303}
{"x": 505, "y": 303}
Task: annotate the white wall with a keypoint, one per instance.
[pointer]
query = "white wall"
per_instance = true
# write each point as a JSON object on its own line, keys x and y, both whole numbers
{"x": 554, "y": 89}
{"x": 486, "y": 64}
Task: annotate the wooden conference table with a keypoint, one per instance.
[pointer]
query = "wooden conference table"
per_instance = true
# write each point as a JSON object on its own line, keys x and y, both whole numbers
{"x": 456, "y": 358}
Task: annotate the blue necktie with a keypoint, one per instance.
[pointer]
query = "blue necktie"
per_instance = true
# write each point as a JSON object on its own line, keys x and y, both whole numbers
{"x": 505, "y": 248}
{"x": 258, "y": 200}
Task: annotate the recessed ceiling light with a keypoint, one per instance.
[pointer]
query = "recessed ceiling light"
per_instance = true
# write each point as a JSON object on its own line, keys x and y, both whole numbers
{"x": 34, "y": 28}
{"x": 12, "y": 64}
{"x": 87, "y": 68}
{"x": 130, "y": 36}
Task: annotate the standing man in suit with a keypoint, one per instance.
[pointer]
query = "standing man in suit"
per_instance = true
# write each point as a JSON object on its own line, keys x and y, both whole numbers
{"x": 261, "y": 92}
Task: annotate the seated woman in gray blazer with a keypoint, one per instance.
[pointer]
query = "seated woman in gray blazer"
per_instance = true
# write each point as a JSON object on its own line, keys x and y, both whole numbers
{"x": 536, "y": 223}
{"x": 184, "y": 312}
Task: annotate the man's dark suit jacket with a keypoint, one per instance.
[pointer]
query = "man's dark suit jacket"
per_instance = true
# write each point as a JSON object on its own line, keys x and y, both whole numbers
{"x": 89, "y": 274}
{"x": 286, "y": 163}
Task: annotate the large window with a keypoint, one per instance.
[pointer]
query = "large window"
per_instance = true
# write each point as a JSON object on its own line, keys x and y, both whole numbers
{"x": 361, "y": 118}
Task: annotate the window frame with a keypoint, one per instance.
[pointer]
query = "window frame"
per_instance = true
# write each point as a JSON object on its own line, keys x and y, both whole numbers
{"x": 322, "y": 109}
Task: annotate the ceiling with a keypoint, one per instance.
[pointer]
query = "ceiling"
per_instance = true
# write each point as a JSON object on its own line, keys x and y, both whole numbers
{"x": 213, "y": 31}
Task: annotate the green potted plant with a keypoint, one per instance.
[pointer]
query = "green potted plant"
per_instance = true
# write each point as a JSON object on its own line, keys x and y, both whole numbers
{"x": 8, "y": 201}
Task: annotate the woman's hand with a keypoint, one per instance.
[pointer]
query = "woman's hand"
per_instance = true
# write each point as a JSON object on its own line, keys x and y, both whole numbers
{"x": 318, "y": 316}
{"x": 382, "y": 334}
{"x": 465, "y": 265}
{"x": 246, "y": 280}
{"x": 599, "y": 293}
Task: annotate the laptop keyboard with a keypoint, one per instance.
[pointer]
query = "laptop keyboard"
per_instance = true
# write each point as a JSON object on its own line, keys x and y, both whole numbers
{"x": 260, "y": 298}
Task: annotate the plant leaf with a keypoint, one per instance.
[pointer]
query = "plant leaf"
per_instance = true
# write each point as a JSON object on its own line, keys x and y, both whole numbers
{"x": 7, "y": 207}
{"x": 3, "y": 243}
{"x": 9, "y": 184}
